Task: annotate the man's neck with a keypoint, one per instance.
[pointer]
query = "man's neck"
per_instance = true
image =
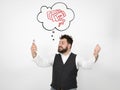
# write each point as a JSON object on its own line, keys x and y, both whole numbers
{"x": 66, "y": 53}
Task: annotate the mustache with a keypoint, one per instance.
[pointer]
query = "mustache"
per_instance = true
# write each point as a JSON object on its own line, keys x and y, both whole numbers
{"x": 60, "y": 47}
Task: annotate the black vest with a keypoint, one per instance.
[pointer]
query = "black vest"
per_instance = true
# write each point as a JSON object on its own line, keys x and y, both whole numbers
{"x": 64, "y": 75}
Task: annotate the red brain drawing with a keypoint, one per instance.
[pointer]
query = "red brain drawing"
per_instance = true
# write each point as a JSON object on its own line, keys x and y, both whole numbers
{"x": 57, "y": 16}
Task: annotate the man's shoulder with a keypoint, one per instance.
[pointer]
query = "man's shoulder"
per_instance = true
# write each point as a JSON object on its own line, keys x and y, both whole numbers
{"x": 74, "y": 53}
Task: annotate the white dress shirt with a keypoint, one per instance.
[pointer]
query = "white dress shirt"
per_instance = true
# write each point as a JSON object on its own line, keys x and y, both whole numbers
{"x": 49, "y": 60}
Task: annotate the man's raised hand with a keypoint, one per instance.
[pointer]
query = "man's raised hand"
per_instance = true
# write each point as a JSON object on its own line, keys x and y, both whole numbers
{"x": 96, "y": 51}
{"x": 34, "y": 49}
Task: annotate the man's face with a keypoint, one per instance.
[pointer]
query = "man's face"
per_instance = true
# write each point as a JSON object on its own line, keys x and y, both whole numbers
{"x": 63, "y": 46}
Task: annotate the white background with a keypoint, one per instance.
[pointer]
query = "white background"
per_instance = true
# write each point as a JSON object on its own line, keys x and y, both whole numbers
{"x": 96, "y": 21}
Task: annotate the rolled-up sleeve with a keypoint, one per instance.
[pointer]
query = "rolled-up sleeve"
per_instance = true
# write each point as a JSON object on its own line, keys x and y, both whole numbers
{"x": 87, "y": 64}
{"x": 45, "y": 61}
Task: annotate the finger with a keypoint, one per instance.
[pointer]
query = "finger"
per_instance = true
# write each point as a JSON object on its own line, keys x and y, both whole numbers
{"x": 33, "y": 43}
{"x": 33, "y": 48}
{"x": 98, "y": 47}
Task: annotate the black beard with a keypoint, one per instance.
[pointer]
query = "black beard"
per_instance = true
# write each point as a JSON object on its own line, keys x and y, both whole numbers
{"x": 63, "y": 50}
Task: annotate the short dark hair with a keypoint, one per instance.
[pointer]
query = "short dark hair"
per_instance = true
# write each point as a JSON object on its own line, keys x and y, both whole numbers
{"x": 69, "y": 38}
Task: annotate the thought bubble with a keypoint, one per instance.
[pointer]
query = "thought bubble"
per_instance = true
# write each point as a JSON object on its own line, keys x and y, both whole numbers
{"x": 59, "y": 17}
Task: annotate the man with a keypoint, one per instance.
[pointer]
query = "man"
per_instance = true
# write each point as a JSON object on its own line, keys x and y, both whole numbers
{"x": 65, "y": 64}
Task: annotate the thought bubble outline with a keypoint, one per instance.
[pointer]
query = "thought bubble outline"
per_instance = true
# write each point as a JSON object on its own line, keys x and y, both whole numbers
{"x": 52, "y": 9}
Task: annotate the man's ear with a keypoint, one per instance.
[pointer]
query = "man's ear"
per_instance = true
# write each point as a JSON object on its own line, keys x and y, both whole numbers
{"x": 69, "y": 45}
